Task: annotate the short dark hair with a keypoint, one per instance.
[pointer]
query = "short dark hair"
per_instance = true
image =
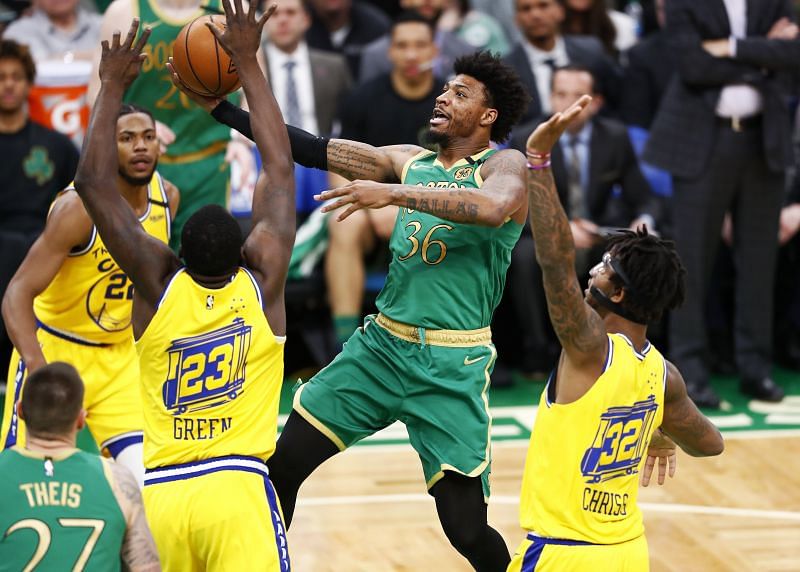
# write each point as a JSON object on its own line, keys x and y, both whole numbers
{"x": 131, "y": 108}
{"x": 211, "y": 242}
{"x": 412, "y": 17}
{"x": 52, "y": 398}
{"x": 575, "y": 68}
{"x": 9, "y": 49}
{"x": 503, "y": 89}
{"x": 656, "y": 275}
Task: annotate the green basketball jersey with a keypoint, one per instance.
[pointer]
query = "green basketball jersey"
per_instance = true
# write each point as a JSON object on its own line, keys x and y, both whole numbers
{"x": 198, "y": 135}
{"x": 57, "y": 514}
{"x": 445, "y": 275}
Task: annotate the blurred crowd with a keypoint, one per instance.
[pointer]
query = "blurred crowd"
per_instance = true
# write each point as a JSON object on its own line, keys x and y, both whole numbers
{"x": 692, "y": 131}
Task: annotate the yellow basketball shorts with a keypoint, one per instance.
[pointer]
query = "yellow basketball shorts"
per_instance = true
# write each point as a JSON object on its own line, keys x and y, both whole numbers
{"x": 216, "y": 514}
{"x": 552, "y": 554}
{"x": 112, "y": 398}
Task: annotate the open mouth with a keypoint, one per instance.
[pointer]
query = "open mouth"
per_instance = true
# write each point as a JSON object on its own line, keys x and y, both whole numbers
{"x": 438, "y": 117}
{"x": 143, "y": 164}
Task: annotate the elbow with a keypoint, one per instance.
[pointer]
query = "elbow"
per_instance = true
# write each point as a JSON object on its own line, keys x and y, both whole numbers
{"x": 716, "y": 447}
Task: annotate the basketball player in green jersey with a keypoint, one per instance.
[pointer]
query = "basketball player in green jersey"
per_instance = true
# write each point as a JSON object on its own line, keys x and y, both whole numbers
{"x": 425, "y": 359}
{"x": 63, "y": 508}
{"x": 197, "y": 146}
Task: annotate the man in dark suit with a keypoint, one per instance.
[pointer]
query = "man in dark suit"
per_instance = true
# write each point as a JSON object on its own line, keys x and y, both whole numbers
{"x": 600, "y": 185}
{"x": 308, "y": 84}
{"x": 543, "y": 49}
{"x": 723, "y": 131}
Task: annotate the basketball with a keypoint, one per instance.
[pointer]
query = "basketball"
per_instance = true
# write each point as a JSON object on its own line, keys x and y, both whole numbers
{"x": 201, "y": 63}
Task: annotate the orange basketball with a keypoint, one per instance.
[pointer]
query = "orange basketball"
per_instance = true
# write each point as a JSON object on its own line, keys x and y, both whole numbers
{"x": 201, "y": 62}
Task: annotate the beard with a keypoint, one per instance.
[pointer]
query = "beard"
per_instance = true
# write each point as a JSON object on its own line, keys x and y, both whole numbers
{"x": 137, "y": 181}
{"x": 437, "y": 138}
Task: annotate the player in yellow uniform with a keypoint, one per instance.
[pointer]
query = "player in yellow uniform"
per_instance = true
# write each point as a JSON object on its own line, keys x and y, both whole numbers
{"x": 70, "y": 301}
{"x": 209, "y": 333}
{"x": 607, "y": 397}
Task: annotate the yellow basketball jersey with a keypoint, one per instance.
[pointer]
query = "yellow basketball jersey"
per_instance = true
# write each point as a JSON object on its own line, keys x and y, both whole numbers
{"x": 90, "y": 298}
{"x": 211, "y": 372}
{"x": 581, "y": 473}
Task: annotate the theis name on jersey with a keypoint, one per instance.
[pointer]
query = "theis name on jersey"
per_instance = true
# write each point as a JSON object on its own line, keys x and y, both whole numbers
{"x": 52, "y": 493}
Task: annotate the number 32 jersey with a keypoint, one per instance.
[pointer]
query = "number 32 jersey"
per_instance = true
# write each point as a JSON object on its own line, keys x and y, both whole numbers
{"x": 211, "y": 371}
{"x": 90, "y": 298}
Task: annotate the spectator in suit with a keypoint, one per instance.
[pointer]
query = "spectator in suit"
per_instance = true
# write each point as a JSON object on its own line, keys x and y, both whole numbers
{"x": 345, "y": 27}
{"x": 651, "y": 64}
{"x": 787, "y": 292}
{"x": 723, "y": 131}
{"x": 543, "y": 49}
{"x": 309, "y": 84}
{"x": 593, "y": 162}
{"x": 394, "y": 108}
{"x": 450, "y": 45}
{"x": 37, "y": 163}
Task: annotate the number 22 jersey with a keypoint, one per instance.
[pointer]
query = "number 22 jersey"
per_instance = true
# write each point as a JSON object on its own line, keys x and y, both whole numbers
{"x": 90, "y": 299}
{"x": 211, "y": 371}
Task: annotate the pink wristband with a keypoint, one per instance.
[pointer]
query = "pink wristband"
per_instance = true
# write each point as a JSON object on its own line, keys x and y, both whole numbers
{"x": 535, "y": 155}
{"x": 545, "y": 165}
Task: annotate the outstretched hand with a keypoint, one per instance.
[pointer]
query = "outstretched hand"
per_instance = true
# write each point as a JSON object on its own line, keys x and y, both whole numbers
{"x": 120, "y": 63}
{"x": 241, "y": 35}
{"x": 546, "y": 134}
{"x": 661, "y": 448}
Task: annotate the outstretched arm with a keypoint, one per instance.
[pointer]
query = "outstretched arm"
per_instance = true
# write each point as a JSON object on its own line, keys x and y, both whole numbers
{"x": 146, "y": 260}
{"x": 683, "y": 422}
{"x": 501, "y": 196}
{"x": 579, "y": 328}
{"x": 350, "y": 159}
{"x": 269, "y": 246}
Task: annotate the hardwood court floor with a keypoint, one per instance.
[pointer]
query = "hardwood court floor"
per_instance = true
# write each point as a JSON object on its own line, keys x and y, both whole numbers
{"x": 366, "y": 510}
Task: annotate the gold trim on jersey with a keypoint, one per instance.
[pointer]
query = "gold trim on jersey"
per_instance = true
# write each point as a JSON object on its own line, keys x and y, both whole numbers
{"x": 464, "y": 161}
{"x": 212, "y": 149}
{"x": 477, "y": 471}
{"x": 448, "y": 338}
{"x": 173, "y": 21}
{"x": 417, "y": 157}
{"x": 316, "y": 423}
{"x": 59, "y": 455}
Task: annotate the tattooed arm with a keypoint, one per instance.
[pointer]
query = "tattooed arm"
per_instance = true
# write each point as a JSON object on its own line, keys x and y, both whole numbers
{"x": 501, "y": 196}
{"x": 138, "y": 552}
{"x": 683, "y": 422}
{"x": 579, "y": 328}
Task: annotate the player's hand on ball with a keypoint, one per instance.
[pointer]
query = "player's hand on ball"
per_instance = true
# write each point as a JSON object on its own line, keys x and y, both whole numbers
{"x": 547, "y": 133}
{"x": 120, "y": 62}
{"x": 241, "y": 35}
{"x": 356, "y": 195}
{"x": 207, "y": 102}
{"x": 662, "y": 449}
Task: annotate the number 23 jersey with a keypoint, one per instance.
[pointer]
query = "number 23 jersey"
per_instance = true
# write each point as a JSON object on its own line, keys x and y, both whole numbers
{"x": 90, "y": 298}
{"x": 211, "y": 371}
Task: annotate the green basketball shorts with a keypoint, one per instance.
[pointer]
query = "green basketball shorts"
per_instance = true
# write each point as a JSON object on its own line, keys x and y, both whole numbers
{"x": 435, "y": 381}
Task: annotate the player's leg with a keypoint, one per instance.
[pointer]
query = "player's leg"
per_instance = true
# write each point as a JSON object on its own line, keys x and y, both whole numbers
{"x": 352, "y": 398}
{"x": 462, "y": 511}
{"x": 350, "y": 240}
{"x": 13, "y": 429}
{"x": 301, "y": 448}
{"x": 113, "y": 403}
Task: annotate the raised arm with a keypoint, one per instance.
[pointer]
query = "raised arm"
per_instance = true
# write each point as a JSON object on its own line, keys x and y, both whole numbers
{"x": 68, "y": 227}
{"x": 268, "y": 247}
{"x": 683, "y": 422}
{"x": 502, "y": 195}
{"x": 138, "y": 552}
{"x": 579, "y": 328}
{"x": 147, "y": 261}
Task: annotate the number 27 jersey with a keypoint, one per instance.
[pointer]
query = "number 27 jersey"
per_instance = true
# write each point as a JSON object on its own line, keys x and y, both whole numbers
{"x": 90, "y": 298}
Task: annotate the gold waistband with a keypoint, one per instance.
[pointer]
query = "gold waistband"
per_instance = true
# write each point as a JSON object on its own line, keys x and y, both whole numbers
{"x": 452, "y": 338}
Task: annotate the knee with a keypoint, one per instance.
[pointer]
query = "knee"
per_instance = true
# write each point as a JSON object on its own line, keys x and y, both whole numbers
{"x": 350, "y": 232}
{"x": 465, "y": 535}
